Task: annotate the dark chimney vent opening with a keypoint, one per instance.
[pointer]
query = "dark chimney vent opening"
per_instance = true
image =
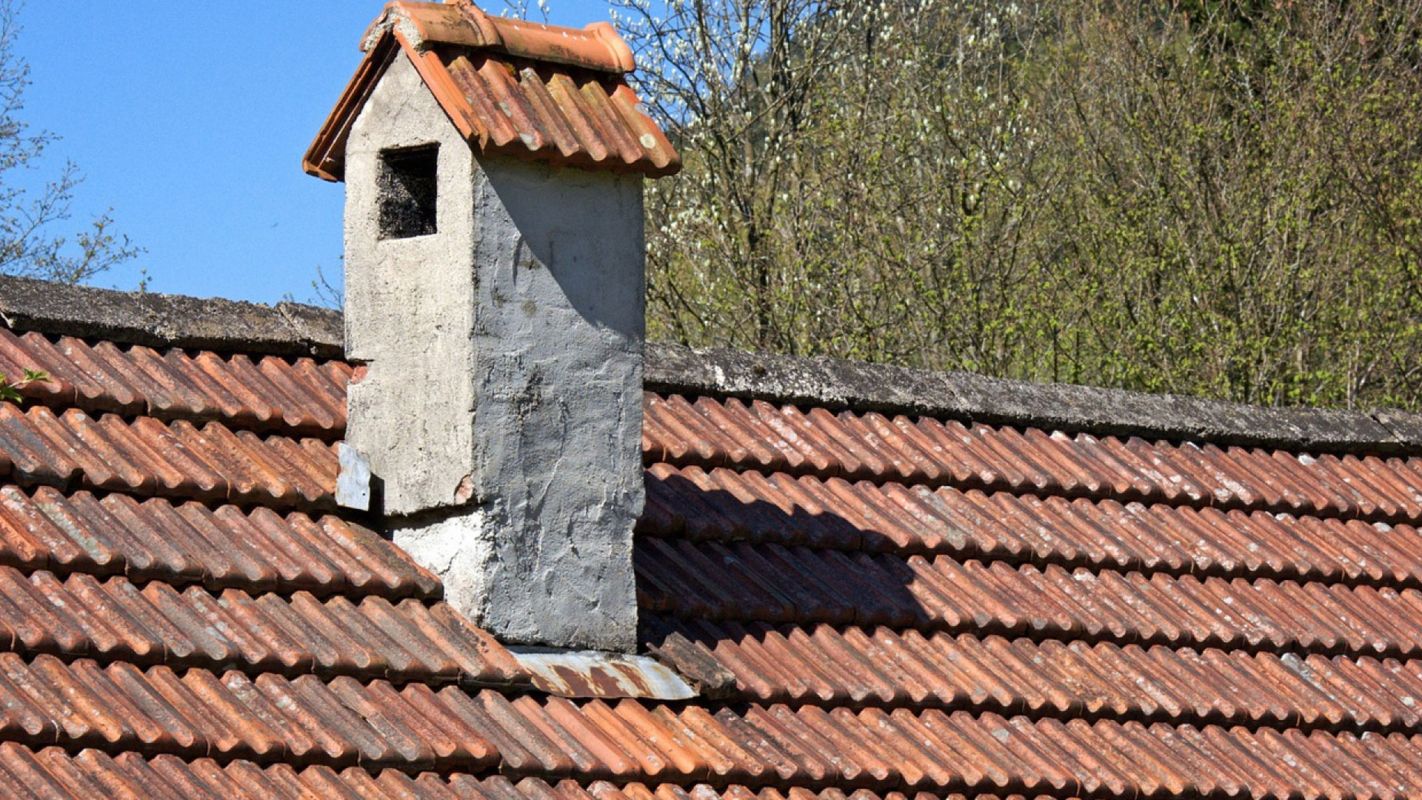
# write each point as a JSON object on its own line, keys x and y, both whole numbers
{"x": 409, "y": 189}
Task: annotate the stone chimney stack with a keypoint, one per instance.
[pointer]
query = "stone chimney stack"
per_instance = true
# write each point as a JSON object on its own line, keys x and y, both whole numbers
{"x": 495, "y": 307}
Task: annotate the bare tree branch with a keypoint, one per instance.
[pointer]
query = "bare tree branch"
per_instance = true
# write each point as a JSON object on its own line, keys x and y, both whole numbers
{"x": 29, "y": 220}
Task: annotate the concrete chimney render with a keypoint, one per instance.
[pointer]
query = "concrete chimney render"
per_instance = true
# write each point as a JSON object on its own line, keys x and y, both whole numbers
{"x": 494, "y": 306}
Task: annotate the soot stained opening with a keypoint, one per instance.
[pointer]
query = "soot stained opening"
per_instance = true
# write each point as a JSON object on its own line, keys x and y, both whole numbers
{"x": 409, "y": 191}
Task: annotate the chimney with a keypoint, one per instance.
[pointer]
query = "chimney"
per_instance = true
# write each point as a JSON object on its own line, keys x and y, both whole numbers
{"x": 495, "y": 309}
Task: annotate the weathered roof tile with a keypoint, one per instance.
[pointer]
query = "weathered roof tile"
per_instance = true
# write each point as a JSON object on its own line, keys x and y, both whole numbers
{"x": 512, "y": 87}
{"x": 871, "y": 600}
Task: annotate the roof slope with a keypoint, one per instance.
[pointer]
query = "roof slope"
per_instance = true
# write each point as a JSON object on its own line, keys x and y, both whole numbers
{"x": 871, "y": 602}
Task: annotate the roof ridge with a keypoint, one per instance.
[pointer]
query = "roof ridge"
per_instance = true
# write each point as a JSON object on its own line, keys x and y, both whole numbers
{"x": 294, "y": 329}
{"x": 862, "y": 387}
{"x": 596, "y": 46}
{"x": 170, "y": 320}
{"x": 454, "y": 46}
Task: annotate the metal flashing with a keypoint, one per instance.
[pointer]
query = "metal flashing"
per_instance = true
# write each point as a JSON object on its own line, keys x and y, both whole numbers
{"x": 591, "y": 674}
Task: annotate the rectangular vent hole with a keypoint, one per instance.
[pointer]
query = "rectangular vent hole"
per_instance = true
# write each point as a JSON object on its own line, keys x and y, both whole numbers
{"x": 409, "y": 189}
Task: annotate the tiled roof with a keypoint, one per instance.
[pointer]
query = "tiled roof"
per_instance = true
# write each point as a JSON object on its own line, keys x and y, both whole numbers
{"x": 874, "y": 603}
{"x": 511, "y": 87}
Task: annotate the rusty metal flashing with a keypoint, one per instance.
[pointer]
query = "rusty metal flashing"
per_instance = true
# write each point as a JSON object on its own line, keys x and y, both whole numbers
{"x": 158, "y": 320}
{"x": 591, "y": 674}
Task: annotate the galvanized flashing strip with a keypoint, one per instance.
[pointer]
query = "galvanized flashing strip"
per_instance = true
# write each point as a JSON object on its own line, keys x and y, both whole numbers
{"x": 290, "y": 329}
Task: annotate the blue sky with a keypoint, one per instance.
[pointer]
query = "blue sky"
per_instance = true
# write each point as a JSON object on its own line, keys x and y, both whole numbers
{"x": 190, "y": 119}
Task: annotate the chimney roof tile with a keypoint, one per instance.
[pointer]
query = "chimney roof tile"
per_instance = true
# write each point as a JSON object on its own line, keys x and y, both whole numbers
{"x": 512, "y": 87}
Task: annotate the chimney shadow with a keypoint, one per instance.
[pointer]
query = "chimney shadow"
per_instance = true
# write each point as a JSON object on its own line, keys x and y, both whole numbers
{"x": 709, "y": 561}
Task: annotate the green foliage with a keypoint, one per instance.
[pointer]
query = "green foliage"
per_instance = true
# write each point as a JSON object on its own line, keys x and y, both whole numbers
{"x": 1214, "y": 198}
{"x": 10, "y": 390}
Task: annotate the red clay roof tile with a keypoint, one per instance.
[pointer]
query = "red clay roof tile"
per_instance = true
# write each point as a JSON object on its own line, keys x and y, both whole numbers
{"x": 512, "y": 87}
{"x": 875, "y": 602}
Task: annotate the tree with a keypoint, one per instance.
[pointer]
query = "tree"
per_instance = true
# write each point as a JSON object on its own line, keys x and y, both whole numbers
{"x": 1217, "y": 197}
{"x": 734, "y": 80}
{"x": 29, "y": 242}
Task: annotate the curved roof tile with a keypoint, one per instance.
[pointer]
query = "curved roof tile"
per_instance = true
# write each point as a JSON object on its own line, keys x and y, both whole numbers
{"x": 869, "y": 603}
{"x": 512, "y": 87}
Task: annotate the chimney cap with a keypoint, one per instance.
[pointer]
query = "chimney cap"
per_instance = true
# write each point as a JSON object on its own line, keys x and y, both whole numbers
{"x": 511, "y": 87}
{"x": 596, "y": 47}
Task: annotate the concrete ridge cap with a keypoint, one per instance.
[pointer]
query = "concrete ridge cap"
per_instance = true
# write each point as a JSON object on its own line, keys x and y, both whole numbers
{"x": 858, "y": 386}
{"x": 293, "y": 329}
{"x": 165, "y": 320}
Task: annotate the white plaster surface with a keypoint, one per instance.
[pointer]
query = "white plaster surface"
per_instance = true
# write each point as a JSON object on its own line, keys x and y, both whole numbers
{"x": 501, "y": 412}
